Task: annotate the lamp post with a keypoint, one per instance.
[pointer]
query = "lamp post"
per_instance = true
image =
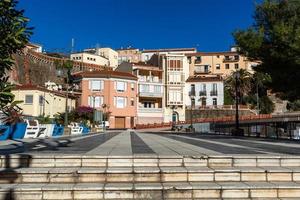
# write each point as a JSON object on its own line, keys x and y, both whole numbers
{"x": 237, "y": 95}
{"x": 192, "y": 96}
{"x": 173, "y": 113}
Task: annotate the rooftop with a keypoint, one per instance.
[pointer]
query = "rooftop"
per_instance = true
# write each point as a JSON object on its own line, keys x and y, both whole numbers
{"x": 210, "y": 78}
{"x": 107, "y": 74}
{"x": 168, "y": 50}
{"x": 227, "y": 53}
{"x": 43, "y": 89}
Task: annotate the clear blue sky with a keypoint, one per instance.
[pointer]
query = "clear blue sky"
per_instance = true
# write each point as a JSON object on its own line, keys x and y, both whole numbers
{"x": 205, "y": 24}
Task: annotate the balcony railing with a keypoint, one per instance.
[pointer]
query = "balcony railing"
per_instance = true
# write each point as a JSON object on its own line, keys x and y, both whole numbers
{"x": 150, "y": 94}
{"x": 213, "y": 93}
{"x": 202, "y": 93}
{"x": 231, "y": 59}
{"x": 149, "y": 79}
{"x": 150, "y": 110}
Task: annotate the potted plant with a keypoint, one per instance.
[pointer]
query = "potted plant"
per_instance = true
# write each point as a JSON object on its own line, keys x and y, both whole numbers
{"x": 13, "y": 118}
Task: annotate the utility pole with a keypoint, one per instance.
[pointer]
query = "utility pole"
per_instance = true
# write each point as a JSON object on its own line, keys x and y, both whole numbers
{"x": 67, "y": 99}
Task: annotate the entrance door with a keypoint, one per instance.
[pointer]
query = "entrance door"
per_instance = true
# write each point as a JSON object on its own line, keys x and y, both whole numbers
{"x": 131, "y": 122}
{"x": 119, "y": 122}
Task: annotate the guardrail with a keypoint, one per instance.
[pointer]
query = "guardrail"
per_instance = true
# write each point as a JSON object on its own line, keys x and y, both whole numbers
{"x": 205, "y": 120}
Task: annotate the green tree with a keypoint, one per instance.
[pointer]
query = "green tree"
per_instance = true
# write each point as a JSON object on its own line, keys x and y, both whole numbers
{"x": 245, "y": 83}
{"x": 274, "y": 40}
{"x": 14, "y": 34}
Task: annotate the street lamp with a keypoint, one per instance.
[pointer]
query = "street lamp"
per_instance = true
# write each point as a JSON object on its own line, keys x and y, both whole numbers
{"x": 173, "y": 113}
{"x": 237, "y": 130}
{"x": 192, "y": 97}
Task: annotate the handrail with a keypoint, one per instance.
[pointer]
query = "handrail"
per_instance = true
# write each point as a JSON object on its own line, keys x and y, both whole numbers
{"x": 207, "y": 120}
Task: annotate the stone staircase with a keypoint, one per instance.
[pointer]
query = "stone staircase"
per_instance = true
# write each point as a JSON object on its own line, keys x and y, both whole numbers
{"x": 94, "y": 177}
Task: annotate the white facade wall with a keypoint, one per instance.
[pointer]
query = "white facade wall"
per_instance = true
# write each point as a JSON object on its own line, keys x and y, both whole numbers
{"x": 209, "y": 88}
{"x": 174, "y": 87}
{"x": 110, "y": 54}
{"x": 89, "y": 58}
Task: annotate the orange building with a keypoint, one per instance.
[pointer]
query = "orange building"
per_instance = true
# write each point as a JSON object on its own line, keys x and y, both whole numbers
{"x": 111, "y": 92}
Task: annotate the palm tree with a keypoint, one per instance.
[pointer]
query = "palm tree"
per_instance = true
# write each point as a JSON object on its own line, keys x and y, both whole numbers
{"x": 245, "y": 81}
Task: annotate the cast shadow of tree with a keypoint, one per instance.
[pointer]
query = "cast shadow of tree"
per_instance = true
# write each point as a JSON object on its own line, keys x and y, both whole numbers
{"x": 9, "y": 175}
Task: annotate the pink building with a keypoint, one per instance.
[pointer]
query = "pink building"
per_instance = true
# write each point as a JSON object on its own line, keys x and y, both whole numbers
{"x": 115, "y": 93}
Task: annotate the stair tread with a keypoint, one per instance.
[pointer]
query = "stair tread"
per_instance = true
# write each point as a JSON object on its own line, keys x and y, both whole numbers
{"x": 151, "y": 186}
{"x": 141, "y": 169}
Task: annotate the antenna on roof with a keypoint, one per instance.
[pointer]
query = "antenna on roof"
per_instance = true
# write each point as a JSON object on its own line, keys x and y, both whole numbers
{"x": 72, "y": 45}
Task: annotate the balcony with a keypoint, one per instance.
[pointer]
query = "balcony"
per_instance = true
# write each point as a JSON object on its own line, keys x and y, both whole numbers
{"x": 202, "y": 93}
{"x": 150, "y": 94}
{"x": 149, "y": 79}
{"x": 231, "y": 58}
{"x": 149, "y": 110}
{"x": 202, "y": 69}
{"x": 213, "y": 93}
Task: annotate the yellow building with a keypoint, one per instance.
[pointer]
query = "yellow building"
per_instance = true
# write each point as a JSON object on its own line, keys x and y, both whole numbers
{"x": 39, "y": 101}
{"x": 220, "y": 63}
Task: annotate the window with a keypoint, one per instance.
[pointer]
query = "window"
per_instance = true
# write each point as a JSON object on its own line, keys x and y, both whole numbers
{"x": 193, "y": 103}
{"x": 41, "y": 100}
{"x": 236, "y": 57}
{"x": 192, "y": 92}
{"x": 96, "y": 85}
{"x": 218, "y": 56}
{"x": 95, "y": 101}
{"x": 215, "y": 101}
{"x": 29, "y": 99}
{"x": 132, "y": 101}
{"x": 198, "y": 59}
{"x": 120, "y": 86}
{"x": 236, "y": 65}
{"x": 120, "y": 102}
{"x": 132, "y": 86}
{"x": 157, "y": 89}
{"x": 226, "y": 57}
{"x": 218, "y": 66}
{"x": 227, "y": 66}
{"x": 144, "y": 88}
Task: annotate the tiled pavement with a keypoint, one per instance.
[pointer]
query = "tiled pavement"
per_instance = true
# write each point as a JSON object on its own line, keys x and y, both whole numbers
{"x": 130, "y": 142}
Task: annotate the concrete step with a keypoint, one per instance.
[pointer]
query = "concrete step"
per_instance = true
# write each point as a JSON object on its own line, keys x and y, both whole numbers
{"x": 148, "y": 174}
{"x": 167, "y": 191}
{"x": 17, "y": 161}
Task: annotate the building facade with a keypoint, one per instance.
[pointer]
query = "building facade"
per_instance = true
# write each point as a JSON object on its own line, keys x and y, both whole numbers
{"x": 114, "y": 93}
{"x": 90, "y": 58}
{"x": 39, "y": 101}
{"x": 176, "y": 71}
{"x": 106, "y": 52}
{"x": 220, "y": 63}
{"x": 129, "y": 55}
{"x": 205, "y": 91}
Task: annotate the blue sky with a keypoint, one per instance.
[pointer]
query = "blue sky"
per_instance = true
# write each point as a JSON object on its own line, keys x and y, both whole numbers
{"x": 205, "y": 24}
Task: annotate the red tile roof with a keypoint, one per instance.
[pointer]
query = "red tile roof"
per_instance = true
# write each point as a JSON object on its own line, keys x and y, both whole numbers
{"x": 107, "y": 74}
{"x": 41, "y": 88}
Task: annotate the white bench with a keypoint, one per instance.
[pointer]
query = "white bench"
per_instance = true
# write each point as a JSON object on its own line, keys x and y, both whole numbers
{"x": 75, "y": 128}
{"x": 46, "y": 130}
{"x": 32, "y": 129}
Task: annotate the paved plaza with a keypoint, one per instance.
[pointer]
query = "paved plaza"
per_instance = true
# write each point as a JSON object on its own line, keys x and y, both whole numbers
{"x": 130, "y": 142}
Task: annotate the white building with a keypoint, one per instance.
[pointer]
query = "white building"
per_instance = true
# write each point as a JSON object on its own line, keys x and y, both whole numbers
{"x": 91, "y": 58}
{"x": 206, "y": 91}
{"x": 148, "y": 53}
{"x": 176, "y": 70}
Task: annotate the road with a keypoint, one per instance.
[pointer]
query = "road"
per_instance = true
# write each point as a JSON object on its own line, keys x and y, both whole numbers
{"x": 135, "y": 143}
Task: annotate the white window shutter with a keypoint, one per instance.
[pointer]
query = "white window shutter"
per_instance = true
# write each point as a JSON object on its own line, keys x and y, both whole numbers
{"x": 125, "y": 86}
{"x": 90, "y": 84}
{"x": 102, "y": 85}
{"x": 125, "y": 104}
